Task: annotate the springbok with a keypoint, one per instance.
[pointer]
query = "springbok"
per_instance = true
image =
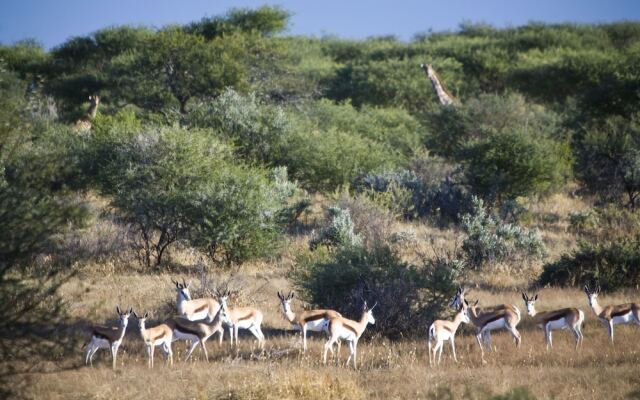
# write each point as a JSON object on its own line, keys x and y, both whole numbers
{"x": 613, "y": 315}
{"x": 492, "y": 320}
{"x": 349, "y": 330}
{"x": 242, "y": 318}
{"x": 311, "y": 320}
{"x": 197, "y": 309}
{"x": 198, "y": 331}
{"x": 458, "y": 301}
{"x": 108, "y": 337}
{"x": 565, "y": 318}
{"x": 159, "y": 335}
{"x": 441, "y": 330}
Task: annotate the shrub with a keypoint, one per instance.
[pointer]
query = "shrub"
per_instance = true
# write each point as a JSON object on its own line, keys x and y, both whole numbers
{"x": 338, "y": 233}
{"x": 612, "y": 265}
{"x": 489, "y": 239}
{"x": 409, "y": 296}
{"x": 509, "y": 165}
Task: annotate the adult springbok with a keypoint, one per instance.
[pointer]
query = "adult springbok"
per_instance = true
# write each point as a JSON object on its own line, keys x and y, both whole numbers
{"x": 492, "y": 320}
{"x": 108, "y": 337}
{"x": 197, "y": 309}
{"x": 198, "y": 331}
{"x": 627, "y": 313}
{"x": 565, "y": 318}
{"x": 458, "y": 301}
{"x": 440, "y": 331}
{"x": 242, "y": 318}
{"x": 349, "y": 330}
{"x": 159, "y": 335}
{"x": 304, "y": 321}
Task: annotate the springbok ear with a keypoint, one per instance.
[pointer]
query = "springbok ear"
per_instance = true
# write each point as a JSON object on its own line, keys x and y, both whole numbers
{"x": 466, "y": 302}
{"x": 136, "y": 315}
{"x": 130, "y": 310}
{"x": 524, "y": 297}
{"x": 280, "y": 296}
{"x": 586, "y": 289}
{"x": 374, "y": 305}
{"x": 599, "y": 289}
{"x": 535, "y": 298}
{"x": 290, "y": 295}
{"x": 146, "y": 314}
{"x": 118, "y": 310}
{"x": 476, "y": 303}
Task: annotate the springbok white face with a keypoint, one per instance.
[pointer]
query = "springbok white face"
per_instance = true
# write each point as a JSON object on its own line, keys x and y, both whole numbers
{"x": 468, "y": 309}
{"x": 124, "y": 316}
{"x": 222, "y": 299}
{"x": 286, "y": 302}
{"x": 465, "y": 316}
{"x": 369, "y": 311}
{"x": 183, "y": 289}
{"x": 529, "y": 302}
{"x": 592, "y": 296}
{"x": 141, "y": 320}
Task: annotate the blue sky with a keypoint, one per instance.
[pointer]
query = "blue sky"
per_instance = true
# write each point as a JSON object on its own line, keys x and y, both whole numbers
{"x": 53, "y": 21}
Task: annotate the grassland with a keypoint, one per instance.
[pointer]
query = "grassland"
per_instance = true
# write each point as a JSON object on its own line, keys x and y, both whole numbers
{"x": 387, "y": 369}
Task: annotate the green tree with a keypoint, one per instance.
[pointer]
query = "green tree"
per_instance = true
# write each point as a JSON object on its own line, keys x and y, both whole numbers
{"x": 509, "y": 165}
{"x": 265, "y": 20}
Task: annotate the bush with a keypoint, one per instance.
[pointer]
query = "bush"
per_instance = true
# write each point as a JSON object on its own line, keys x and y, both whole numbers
{"x": 509, "y": 165}
{"x": 489, "y": 239}
{"x": 612, "y": 265}
{"x": 182, "y": 184}
{"x": 603, "y": 224}
{"x": 338, "y": 233}
{"x": 409, "y": 297}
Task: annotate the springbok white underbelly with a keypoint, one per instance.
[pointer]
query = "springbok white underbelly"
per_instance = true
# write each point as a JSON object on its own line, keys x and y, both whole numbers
{"x": 493, "y": 325}
{"x": 624, "y": 319}
{"x": 557, "y": 324}
{"x": 179, "y": 335}
{"x": 100, "y": 342}
{"x": 318, "y": 325}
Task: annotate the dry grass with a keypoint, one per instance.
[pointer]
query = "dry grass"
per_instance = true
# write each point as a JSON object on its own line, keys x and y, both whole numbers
{"x": 396, "y": 369}
{"x": 387, "y": 369}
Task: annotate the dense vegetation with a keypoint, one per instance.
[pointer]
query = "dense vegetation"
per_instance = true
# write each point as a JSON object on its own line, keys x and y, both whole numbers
{"x": 211, "y": 136}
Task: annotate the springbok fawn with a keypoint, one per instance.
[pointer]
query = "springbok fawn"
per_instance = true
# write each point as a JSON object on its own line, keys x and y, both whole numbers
{"x": 197, "y": 309}
{"x": 242, "y": 318}
{"x": 458, "y": 301}
{"x": 311, "y": 320}
{"x": 628, "y": 313}
{"x": 160, "y": 335}
{"x": 440, "y": 331}
{"x": 565, "y": 318}
{"x": 106, "y": 337}
{"x": 349, "y": 330}
{"x": 198, "y": 331}
{"x": 492, "y": 320}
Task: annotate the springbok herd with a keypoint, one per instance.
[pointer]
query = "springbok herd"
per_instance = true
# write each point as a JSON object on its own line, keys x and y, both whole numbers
{"x": 199, "y": 319}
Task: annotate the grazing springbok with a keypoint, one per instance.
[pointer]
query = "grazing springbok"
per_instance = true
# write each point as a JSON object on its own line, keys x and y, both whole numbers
{"x": 565, "y": 318}
{"x": 440, "y": 331}
{"x": 458, "y": 301}
{"x": 197, "y": 309}
{"x": 159, "y": 335}
{"x": 198, "y": 331}
{"x": 627, "y": 313}
{"x": 492, "y": 320}
{"x": 108, "y": 337}
{"x": 349, "y": 330}
{"x": 311, "y": 320}
{"x": 242, "y": 318}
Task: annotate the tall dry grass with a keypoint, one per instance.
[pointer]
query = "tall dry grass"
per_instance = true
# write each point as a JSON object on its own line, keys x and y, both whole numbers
{"x": 386, "y": 369}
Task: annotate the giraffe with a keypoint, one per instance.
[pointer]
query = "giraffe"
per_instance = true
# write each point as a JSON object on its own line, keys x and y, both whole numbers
{"x": 444, "y": 97}
{"x": 84, "y": 124}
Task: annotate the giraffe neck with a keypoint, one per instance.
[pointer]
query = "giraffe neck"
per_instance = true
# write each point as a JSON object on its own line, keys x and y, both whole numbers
{"x": 443, "y": 97}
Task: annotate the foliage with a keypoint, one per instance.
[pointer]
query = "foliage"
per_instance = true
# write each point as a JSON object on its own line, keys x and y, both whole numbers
{"x": 489, "y": 239}
{"x": 35, "y": 205}
{"x": 183, "y": 185}
{"x": 608, "y": 159}
{"x": 264, "y": 20}
{"x": 408, "y": 296}
{"x": 510, "y": 165}
{"x": 338, "y": 233}
{"x": 257, "y": 130}
{"x": 611, "y": 264}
